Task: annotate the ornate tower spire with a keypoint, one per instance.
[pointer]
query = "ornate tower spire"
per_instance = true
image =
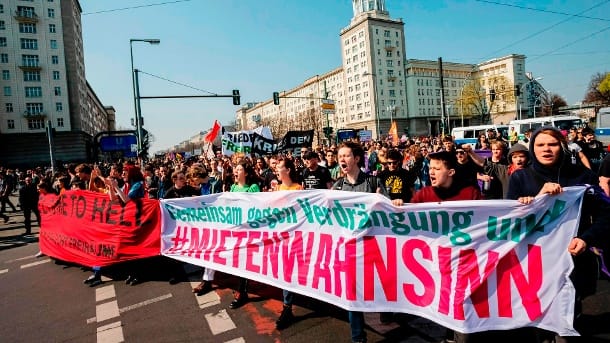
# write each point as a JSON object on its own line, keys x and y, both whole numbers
{"x": 362, "y": 6}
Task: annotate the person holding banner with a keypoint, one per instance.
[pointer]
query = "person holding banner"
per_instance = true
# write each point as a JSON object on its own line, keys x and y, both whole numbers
{"x": 245, "y": 181}
{"x": 552, "y": 169}
{"x": 287, "y": 173}
{"x": 351, "y": 159}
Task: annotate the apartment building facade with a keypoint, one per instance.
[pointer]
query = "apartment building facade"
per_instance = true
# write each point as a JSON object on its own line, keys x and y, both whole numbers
{"x": 377, "y": 84}
{"x": 43, "y": 82}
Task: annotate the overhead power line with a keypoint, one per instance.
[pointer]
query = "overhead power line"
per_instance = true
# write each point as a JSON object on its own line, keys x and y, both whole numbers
{"x": 541, "y": 10}
{"x": 177, "y": 83}
{"x": 134, "y": 7}
{"x": 572, "y": 43}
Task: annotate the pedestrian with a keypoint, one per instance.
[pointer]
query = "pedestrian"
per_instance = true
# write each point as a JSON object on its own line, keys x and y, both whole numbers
{"x": 245, "y": 181}
{"x": 398, "y": 181}
{"x": 7, "y": 186}
{"x": 551, "y": 170}
{"x": 28, "y": 198}
{"x": 315, "y": 176}
{"x": 351, "y": 159}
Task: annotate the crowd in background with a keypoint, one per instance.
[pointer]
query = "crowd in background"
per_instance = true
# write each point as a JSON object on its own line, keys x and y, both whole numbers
{"x": 420, "y": 169}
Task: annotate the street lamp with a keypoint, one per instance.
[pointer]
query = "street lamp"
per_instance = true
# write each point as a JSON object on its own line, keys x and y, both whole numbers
{"x": 373, "y": 77}
{"x": 392, "y": 110}
{"x": 136, "y": 98}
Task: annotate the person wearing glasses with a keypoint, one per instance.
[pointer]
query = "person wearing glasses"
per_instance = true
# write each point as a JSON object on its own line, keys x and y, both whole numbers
{"x": 315, "y": 176}
{"x": 398, "y": 181}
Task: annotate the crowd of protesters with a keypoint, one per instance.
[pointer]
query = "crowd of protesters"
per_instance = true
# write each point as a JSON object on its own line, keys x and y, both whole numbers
{"x": 424, "y": 169}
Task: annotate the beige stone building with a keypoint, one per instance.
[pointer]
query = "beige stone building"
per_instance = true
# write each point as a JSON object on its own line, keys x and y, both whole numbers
{"x": 377, "y": 84}
{"x": 43, "y": 82}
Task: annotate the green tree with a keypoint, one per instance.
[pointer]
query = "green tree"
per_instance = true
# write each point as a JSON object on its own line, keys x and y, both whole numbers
{"x": 599, "y": 89}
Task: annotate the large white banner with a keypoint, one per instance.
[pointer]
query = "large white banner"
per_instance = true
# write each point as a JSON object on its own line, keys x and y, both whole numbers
{"x": 241, "y": 141}
{"x": 468, "y": 265}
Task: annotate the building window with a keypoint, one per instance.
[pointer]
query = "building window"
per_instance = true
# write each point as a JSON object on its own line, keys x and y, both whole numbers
{"x": 59, "y": 107}
{"x": 52, "y": 28}
{"x": 9, "y": 107}
{"x": 33, "y": 92}
{"x": 390, "y": 63}
{"x": 2, "y": 25}
{"x": 36, "y": 124}
{"x": 60, "y": 122}
{"x": 386, "y": 33}
{"x": 33, "y": 107}
{"x": 30, "y": 75}
{"x": 1, "y": 8}
{"x": 2, "y": 41}
{"x": 10, "y": 123}
{"x": 24, "y": 11}
{"x": 4, "y": 58}
{"x": 29, "y": 44}
{"x": 55, "y": 59}
{"x": 55, "y": 75}
{"x": 57, "y": 91}
{"x": 7, "y": 90}
{"x": 392, "y": 92}
{"x": 51, "y": 13}
{"x": 6, "y": 75}
{"x": 27, "y": 27}
{"x": 53, "y": 44}
{"x": 30, "y": 60}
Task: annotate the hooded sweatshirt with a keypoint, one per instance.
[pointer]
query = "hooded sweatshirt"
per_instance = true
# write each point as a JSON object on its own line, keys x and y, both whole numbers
{"x": 595, "y": 212}
{"x": 502, "y": 172}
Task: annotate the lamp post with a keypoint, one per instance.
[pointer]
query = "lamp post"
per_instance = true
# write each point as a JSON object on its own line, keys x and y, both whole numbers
{"x": 136, "y": 97}
{"x": 373, "y": 78}
{"x": 391, "y": 109}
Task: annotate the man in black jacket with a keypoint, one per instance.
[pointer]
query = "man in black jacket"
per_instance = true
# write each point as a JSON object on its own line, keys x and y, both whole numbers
{"x": 28, "y": 198}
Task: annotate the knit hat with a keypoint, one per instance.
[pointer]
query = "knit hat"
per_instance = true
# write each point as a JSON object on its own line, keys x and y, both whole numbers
{"x": 518, "y": 147}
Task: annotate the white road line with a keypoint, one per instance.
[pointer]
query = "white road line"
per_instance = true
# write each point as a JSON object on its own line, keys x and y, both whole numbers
{"x": 20, "y": 259}
{"x": 35, "y": 263}
{"x": 237, "y": 340}
{"x": 135, "y": 306}
{"x": 3, "y": 271}
{"x": 206, "y": 300}
{"x": 111, "y": 333}
{"x": 219, "y": 322}
{"x": 106, "y": 311}
{"x": 104, "y": 293}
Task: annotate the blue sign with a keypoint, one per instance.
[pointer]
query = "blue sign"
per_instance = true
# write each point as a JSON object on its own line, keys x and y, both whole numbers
{"x": 125, "y": 143}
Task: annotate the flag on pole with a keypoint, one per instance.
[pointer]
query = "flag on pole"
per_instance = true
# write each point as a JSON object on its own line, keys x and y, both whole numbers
{"x": 213, "y": 133}
{"x": 394, "y": 132}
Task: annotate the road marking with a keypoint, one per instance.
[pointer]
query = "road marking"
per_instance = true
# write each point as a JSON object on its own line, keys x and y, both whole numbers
{"x": 135, "y": 306}
{"x": 20, "y": 259}
{"x": 237, "y": 340}
{"x": 219, "y": 322}
{"x": 104, "y": 293}
{"x": 3, "y": 271}
{"x": 35, "y": 263}
{"x": 106, "y": 311}
{"x": 206, "y": 300}
{"x": 111, "y": 333}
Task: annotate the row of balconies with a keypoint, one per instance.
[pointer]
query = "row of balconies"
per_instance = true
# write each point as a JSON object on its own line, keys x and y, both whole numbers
{"x": 26, "y": 16}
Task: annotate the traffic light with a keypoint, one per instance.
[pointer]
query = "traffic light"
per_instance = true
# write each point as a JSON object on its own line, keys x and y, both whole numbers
{"x": 517, "y": 90}
{"x": 328, "y": 130}
{"x": 492, "y": 94}
{"x": 276, "y": 98}
{"x": 236, "y": 97}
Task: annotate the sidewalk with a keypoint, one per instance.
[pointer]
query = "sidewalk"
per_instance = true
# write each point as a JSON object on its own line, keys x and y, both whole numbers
{"x": 11, "y": 233}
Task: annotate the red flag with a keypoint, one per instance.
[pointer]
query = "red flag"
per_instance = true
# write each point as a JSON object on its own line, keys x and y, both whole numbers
{"x": 213, "y": 133}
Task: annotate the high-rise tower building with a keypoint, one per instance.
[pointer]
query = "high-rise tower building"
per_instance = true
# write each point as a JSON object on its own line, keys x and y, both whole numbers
{"x": 43, "y": 83}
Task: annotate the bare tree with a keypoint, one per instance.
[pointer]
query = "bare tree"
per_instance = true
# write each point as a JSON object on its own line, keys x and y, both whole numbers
{"x": 599, "y": 89}
{"x": 472, "y": 101}
{"x": 551, "y": 103}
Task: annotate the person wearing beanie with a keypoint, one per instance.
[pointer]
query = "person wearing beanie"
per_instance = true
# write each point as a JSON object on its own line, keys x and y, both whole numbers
{"x": 552, "y": 168}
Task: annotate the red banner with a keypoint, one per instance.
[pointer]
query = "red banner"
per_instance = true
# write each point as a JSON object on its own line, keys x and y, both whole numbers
{"x": 87, "y": 228}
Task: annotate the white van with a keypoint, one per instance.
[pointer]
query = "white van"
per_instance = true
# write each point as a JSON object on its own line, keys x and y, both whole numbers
{"x": 470, "y": 134}
{"x": 560, "y": 122}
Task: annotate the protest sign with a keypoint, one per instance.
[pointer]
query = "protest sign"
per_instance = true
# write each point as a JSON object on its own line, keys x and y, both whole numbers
{"x": 468, "y": 265}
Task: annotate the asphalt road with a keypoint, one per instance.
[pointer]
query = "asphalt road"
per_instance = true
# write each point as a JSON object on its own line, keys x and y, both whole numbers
{"x": 41, "y": 301}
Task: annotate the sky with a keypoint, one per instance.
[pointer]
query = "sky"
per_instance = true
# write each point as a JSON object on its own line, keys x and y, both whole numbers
{"x": 258, "y": 47}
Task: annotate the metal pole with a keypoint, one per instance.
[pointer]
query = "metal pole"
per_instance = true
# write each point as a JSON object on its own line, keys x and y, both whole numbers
{"x": 374, "y": 78}
{"x": 440, "y": 67}
{"x": 138, "y": 112}
{"x": 50, "y": 135}
{"x": 133, "y": 85}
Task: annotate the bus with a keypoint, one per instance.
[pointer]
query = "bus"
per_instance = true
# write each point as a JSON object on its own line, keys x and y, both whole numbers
{"x": 470, "y": 134}
{"x": 562, "y": 122}
{"x": 602, "y": 127}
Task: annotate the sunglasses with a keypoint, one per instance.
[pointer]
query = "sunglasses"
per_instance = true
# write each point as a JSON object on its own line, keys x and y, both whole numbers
{"x": 393, "y": 162}
{"x": 460, "y": 152}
